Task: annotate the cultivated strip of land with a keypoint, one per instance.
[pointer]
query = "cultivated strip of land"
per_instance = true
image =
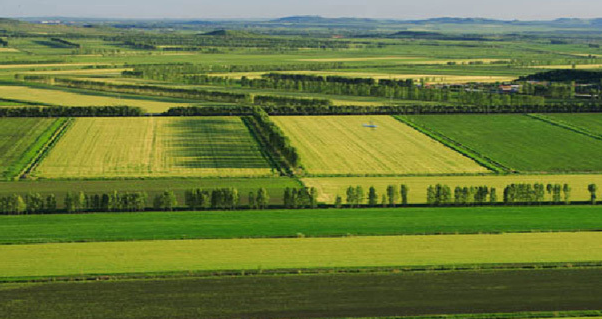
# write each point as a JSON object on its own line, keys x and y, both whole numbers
{"x": 42, "y": 260}
{"x": 541, "y": 293}
{"x": 296, "y": 223}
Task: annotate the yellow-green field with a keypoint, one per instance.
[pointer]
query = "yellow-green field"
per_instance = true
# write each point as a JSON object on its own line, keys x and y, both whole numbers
{"x": 330, "y": 187}
{"x": 219, "y": 254}
{"x": 64, "y": 98}
{"x": 158, "y": 147}
{"x": 81, "y": 72}
{"x": 342, "y": 145}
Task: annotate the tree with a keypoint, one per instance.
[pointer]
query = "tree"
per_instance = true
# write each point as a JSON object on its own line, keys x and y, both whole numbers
{"x": 372, "y": 197}
{"x": 392, "y": 195}
{"x": 287, "y": 198}
{"x": 359, "y": 195}
{"x": 263, "y": 198}
{"x": 165, "y": 201}
{"x": 351, "y": 197}
{"x": 338, "y": 201}
{"x": 253, "y": 204}
{"x": 592, "y": 188}
{"x": 493, "y": 195}
{"x": 70, "y": 203}
{"x": 51, "y": 203}
{"x": 313, "y": 198}
{"x": 566, "y": 189}
{"x": 34, "y": 203}
{"x": 431, "y": 196}
{"x": 404, "y": 194}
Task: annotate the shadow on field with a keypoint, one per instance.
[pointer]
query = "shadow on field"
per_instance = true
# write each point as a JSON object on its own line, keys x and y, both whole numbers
{"x": 213, "y": 143}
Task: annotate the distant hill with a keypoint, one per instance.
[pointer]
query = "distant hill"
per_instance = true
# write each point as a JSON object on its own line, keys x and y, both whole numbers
{"x": 230, "y": 34}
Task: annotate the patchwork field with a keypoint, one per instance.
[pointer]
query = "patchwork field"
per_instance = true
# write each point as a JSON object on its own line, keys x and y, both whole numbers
{"x": 330, "y": 187}
{"x": 291, "y": 223}
{"x": 157, "y": 147}
{"x": 315, "y": 296}
{"x": 519, "y": 142}
{"x": 342, "y": 145}
{"x": 284, "y": 253}
{"x": 20, "y": 139}
{"x": 58, "y": 97}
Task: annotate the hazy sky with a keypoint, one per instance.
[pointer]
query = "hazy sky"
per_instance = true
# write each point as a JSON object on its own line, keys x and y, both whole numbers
{"x": 401, "y": 9}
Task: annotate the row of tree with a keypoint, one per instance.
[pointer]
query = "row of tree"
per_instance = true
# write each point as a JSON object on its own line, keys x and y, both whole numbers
{"x": 303, "y": 197}
{"x": 402, "y": 90}
{"x": 356, "y": 197}
{"x": 186, "y": 72}
{"x": 224, "y": 198}
{"x": 274, "y": 138}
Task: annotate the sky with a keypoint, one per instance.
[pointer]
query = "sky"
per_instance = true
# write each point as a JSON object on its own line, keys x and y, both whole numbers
{"x": 397, "y": 9}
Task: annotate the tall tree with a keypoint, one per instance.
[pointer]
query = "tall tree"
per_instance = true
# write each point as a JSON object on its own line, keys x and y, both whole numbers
{"x": 404, "y": 194}
{"x": 372, "y": 197}
{"x": 592, "y": 188}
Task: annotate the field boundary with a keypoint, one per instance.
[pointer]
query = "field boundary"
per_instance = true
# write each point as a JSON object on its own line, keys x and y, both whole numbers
{"x": 508, "y": 315}
{"x": 41, "y": 154}
{"x": 26, "y": 159}
{"x": 272, "y": 158}
{"x": 482, "y": 160}
{"x": 564, "y": 125}
{"x": 305, "y": 271}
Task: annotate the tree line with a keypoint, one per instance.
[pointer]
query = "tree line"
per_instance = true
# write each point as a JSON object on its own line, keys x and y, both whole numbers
{"x": 274, "y": 138}
{"x": 355, "y": 196}
{"x": 71, "y": 111}
{"x": 402, "y": 90}
{"x": 191, "y": 73}
{"x": 66, "y": 43}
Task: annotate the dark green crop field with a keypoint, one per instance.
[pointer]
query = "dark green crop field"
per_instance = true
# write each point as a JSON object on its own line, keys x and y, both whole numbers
{"x": 591, "y": 122}
{"x": 308, "y": 296}
{"x": 293, "y": 223}
{"x": 519, "y": 142}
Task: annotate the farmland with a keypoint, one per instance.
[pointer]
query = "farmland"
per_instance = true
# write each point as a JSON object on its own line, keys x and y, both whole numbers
{"x": 589, "y": 122}
{"x": 344, "y": 146}
{"x": 260, "y": 173}
{"x": 313, "y": 296}
{"x": 58, "y": 97}
{"x": 20, "y": 139}
{"x": 40, "y": 260}
{"x": 330, "y": 187}
{"x": 133, "y": 147}
{"x": 293, "y": 223}
{"x": 543, "y": 147}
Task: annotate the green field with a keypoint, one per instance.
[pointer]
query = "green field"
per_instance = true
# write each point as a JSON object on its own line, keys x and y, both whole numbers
{"x": 329, "y": 187}
{"x": 20, "y": 140}
{"x": 591, "y": 122}
{"x": 341, "y": 145}
{"x": 155, "y": 147}
{"x": 293, "y": 223}
{"x": 314, "y": 296}
{"x": 64, "y": 259}
{"x": 519, "y": 142}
